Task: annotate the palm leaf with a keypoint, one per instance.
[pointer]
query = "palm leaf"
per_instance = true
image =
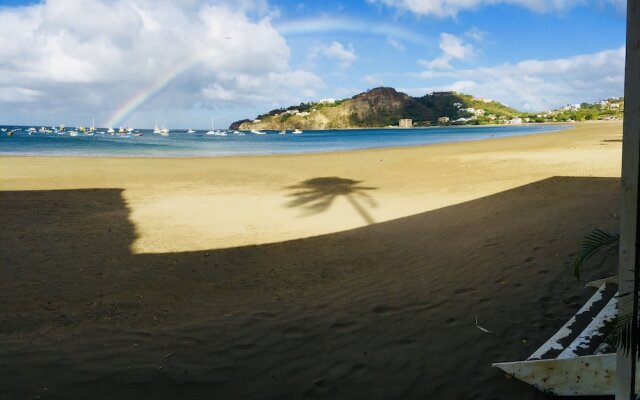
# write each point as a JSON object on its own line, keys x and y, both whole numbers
{"x": 593, "y": 243}
{"x": 617, "y": 332}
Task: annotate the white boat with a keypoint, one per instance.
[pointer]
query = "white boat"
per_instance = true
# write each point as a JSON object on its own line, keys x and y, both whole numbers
{"x": 258, "y": 132}
{"x": 164, "y": 132}
{"x": 110, "y": 130}
{"x": 73, "y": 133}
{"x": 129, "y": 129}
{"x": 215, "y": 132}
{"x": 31, "y": 130}
{"x": 238, "y": 133}
{"x": 297, "y": 131}
{"x": 3, "y": 129}
{"x": 282, "y": 132}
{"x": 190, "y": 131}
{"x": 156, "y": 129}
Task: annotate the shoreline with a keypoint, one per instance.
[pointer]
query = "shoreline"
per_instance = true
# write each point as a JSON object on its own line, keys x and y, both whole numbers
{"x": 562, "y": 127}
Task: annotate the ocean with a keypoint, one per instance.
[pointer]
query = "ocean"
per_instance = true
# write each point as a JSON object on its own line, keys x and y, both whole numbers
{"x": 179, "y": 143}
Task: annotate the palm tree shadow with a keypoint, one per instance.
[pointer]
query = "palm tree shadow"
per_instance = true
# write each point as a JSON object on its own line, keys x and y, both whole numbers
{"x": 316, "y": 195}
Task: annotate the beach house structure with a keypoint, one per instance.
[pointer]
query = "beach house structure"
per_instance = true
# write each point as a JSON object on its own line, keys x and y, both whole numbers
{"x": 443, "y": 120}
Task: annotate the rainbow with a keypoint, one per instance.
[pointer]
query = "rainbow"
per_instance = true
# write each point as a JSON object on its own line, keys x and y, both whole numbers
{"x": 325, "y": 24}
{"x": 123, "y": 111}
{"x": 288, "y": 28}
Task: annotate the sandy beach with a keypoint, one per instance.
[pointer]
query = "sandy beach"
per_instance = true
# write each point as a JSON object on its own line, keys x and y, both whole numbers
{"x": 340, "y": 275}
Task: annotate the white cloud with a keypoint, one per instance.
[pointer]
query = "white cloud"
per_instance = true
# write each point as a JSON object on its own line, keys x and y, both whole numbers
{"x": 540, "y": 84}
{"x": 453, "y": 48}
{"x": 373, "y": 80}
{"x": 395, "y": 43}
{"x": 335, "y": 51}
{"x": 86, "y": 57}
{"x": 450, "y": 8}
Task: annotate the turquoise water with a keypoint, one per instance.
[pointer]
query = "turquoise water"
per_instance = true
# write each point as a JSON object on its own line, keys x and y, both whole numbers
{"x": 182, "y": 144}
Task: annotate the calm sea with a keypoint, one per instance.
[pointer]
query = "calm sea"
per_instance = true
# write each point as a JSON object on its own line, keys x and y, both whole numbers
{"x": 182, "y": 144}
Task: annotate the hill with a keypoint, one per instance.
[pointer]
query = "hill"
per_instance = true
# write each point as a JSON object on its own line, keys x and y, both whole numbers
{"x": 381, "y": 107}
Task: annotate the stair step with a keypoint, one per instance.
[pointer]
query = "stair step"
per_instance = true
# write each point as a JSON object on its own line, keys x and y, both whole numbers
{"x": 576, "y": 325}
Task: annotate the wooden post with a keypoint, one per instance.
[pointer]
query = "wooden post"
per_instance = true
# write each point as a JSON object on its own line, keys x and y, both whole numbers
{"x": 629, "y": 221}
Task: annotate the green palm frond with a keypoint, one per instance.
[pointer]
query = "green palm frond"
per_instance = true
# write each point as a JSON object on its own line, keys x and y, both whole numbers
{"x": 617, "y": 332}
{"x": 592, "y": 244}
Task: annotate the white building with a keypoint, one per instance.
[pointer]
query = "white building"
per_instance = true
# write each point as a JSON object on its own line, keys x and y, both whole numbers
{"x": 571, "y": 107}
{"x": 515, "y": 121}
{"x": 405, "y": 123}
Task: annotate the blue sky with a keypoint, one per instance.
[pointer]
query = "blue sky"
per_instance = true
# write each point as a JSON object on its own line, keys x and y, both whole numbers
{"x": 126, "y": 62}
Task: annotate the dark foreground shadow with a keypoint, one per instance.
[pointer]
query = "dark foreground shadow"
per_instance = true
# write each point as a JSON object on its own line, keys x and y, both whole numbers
{"x": 317, "y": 194}
{"x": 386, "y": 311}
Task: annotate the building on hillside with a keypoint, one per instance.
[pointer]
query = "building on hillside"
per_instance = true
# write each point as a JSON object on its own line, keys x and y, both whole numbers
{"x": 515, "y": 121}
{"x": 405, "y": 123}
{"x": 571, "y": 107}
{"x": 443, "y": 120}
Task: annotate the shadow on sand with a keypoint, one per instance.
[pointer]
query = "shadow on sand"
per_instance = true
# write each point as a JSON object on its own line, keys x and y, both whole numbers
{"x": 316, "y": 195}
{"x": 386, "y": 311}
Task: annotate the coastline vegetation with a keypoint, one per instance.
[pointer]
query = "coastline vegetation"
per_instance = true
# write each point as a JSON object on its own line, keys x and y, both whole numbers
{"x": 386, "y": 107}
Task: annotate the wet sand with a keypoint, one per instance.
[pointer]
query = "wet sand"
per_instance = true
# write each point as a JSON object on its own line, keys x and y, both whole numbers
{"x": 339, "y": 275}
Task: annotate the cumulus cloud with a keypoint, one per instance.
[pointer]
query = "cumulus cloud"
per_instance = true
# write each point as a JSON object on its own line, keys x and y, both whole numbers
{"x": 79, "y": 57}
{"x": 335, "y": 51}
{"x": 450, "y": 8}
{"x": 453, "y": 48}
{"x": 535, "y": 85}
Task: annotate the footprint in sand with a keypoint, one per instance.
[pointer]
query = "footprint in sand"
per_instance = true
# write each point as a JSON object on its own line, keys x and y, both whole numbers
{"x": 407, "y": 342}
{"x": 264, "y": 315}
{"x": 341, "y": 325}
{"x": 384, "y": 309}
{"x": 293, "y": 332}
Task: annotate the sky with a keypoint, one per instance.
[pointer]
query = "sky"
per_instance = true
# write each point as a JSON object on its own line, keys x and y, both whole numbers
{"x": 184, "y": 63}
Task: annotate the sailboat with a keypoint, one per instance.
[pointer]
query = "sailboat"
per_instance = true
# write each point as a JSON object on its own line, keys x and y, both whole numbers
{"x": 282, "y": 131}
{"x": 297, "y": 131}
{"x": 161, "y": 131}
{"x": 110, "y": 130}
{"x": 190, "y": 131}
{"x": 215, "y": 132}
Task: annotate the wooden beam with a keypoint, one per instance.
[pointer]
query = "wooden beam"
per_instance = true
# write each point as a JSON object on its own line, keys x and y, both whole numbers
{"x": 625, "y": 364}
